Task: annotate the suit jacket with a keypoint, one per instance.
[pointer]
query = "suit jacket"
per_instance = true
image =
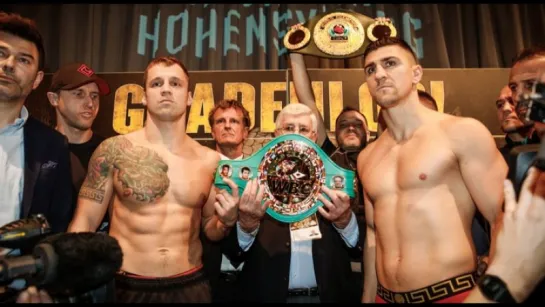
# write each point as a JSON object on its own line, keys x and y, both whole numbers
{"x": 265, "y": 275}
{"x": 211, "y": 258}
{"x": 47, "y": 182}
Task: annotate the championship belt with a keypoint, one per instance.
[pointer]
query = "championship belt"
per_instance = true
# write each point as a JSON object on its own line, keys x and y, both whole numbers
{"x": 338, "y": 35}
{"x": 292, "y": 170}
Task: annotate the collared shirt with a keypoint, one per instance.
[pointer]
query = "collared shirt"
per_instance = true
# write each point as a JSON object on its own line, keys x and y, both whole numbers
{"x": 301, "y": 264}
{"x": 12, "y": 169}
{"x": 225, "y": 263}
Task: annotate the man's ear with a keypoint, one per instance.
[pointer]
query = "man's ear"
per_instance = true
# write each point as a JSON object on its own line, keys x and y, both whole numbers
{"x": 213, "y": 134}
{"x": 53, "y": 99}
{"x": 38, "y": 80}
{"x": 190, "y": 99}
{"x": 417, "y": 74}
{"x": 245, "y": 133}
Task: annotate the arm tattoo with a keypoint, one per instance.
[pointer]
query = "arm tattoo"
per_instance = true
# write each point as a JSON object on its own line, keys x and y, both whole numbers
{"x": 94, "y": 186}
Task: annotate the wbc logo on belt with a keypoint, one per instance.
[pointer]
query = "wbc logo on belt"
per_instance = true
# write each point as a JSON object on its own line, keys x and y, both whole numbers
{"x": 292, "y": 173}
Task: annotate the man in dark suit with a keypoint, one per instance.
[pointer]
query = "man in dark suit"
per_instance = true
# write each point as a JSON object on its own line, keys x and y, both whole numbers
{"x": 34, "y": 158}
{"x": 279, "y": 265}
{"x": 230, "y": 123}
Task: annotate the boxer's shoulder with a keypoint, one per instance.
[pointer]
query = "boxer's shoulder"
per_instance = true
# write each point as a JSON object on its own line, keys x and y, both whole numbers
{"x": 464, "y": 127}
{"x": 467, "y": 134}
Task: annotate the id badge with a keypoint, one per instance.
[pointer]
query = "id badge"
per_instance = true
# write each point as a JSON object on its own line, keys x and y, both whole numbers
{"x": 306, "y": 229}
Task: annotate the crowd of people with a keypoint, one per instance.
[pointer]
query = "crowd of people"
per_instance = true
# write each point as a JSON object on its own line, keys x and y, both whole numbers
{"x": 434, "y": 218}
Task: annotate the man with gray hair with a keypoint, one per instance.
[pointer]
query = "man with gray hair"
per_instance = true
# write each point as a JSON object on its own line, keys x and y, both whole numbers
{"x": 297, "y": 118}
{"x": 279, "y": 268}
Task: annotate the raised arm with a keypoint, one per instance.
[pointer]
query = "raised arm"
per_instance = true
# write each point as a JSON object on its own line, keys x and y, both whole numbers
{"x": 96, "y": 191}
{"x": 303, "y": 90}
{"x": 483, "y": 169}
{"x": 369, "y": 255}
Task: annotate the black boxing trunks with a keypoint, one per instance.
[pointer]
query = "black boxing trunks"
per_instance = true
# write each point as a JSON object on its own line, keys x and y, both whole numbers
{"x": 188, "y": 287}
{"x": 453, "y": 290}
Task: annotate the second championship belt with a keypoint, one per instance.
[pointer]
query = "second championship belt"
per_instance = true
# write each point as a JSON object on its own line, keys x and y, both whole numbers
{"x": 337, "y": 35}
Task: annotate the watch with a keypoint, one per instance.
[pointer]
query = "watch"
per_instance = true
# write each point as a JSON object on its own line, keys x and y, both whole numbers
{"x": 495, "y": 289}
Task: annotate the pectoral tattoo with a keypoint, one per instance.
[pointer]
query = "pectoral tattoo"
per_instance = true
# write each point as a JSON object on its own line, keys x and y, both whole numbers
{"x": 142, "y": 173}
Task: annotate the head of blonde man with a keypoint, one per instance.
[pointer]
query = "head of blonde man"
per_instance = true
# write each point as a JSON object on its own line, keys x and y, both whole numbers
{"x": 299, "y": 119}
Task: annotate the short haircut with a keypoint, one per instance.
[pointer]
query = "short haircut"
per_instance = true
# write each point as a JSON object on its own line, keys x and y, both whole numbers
{"x": 167, "y": 61}
{"x": 297, "y": 109}
{"x": 225, "y": 166}
{"x": 227, "y": 104}
{"x": 529, "y": 53}
{"x": 350, "y": 109}
{"x": 388, "y": 41}
{"x": 26, "y": 29}
{"x": 424, "y": 95}
{"x": 245, "y": 169}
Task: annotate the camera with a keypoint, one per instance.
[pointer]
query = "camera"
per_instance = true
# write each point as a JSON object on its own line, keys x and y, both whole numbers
{"x": 531, "y": 106}
{"x": 71, "y": 267}
{"x": 531, "y": 110}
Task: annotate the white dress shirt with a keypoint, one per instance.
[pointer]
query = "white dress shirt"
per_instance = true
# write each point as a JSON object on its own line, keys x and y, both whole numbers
{"x": 12, "y": 173}
{"x": 12, "y": 168}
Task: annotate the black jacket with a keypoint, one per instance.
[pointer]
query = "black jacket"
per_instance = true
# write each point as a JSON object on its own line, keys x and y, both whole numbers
{"x": 265, "y": 275}
{"x": 47, "y": 179}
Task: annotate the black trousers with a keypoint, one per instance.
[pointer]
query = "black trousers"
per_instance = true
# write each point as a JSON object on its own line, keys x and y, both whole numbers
{"x": 226, "y": 287}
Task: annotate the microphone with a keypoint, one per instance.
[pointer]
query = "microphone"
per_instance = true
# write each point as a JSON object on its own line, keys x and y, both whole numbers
{"x": 67, "y": 264}
{"x": 24, "y": 233}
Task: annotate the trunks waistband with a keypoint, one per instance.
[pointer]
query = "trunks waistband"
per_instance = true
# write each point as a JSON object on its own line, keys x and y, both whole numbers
{"x": 132, "y": 275}
{"x": 432, "y": 293}
{"x": 135, "y": 281}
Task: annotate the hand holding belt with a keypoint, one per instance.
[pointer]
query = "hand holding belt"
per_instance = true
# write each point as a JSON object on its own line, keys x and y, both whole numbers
{"x": 292, "y": 170}
{"x": 338, "y": 35}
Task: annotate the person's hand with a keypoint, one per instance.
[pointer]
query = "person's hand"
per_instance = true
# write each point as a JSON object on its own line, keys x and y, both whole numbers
{"x": 251, "y": 211}
{"x": 519, "y": 258}
{"x": 338, "y": 209}
{"x": 32, "y": 295}
{"x": 227, "y": 204}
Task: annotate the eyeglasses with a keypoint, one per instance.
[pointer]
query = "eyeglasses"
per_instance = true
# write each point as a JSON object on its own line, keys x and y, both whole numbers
{"x": 294, "y": 129}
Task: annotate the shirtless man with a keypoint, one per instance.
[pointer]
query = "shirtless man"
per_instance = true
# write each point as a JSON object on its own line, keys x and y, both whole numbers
{"x": 157, "y": 183}
{"x": 424, "y": 179}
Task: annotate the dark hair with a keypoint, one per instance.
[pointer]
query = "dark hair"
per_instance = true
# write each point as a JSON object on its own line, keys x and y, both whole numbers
{"x": 388, "y": 41}
{"x": 424, "y": 95}
{"x": 350, "y": 109}
{"x": 225, "y": 166}
{"x": 26, "y": 29}
{"x": 245, "y": 169}
{"x": 529, "y": 53}
{"x": 227, "y": 104}
{"x": 167, "y": 61}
